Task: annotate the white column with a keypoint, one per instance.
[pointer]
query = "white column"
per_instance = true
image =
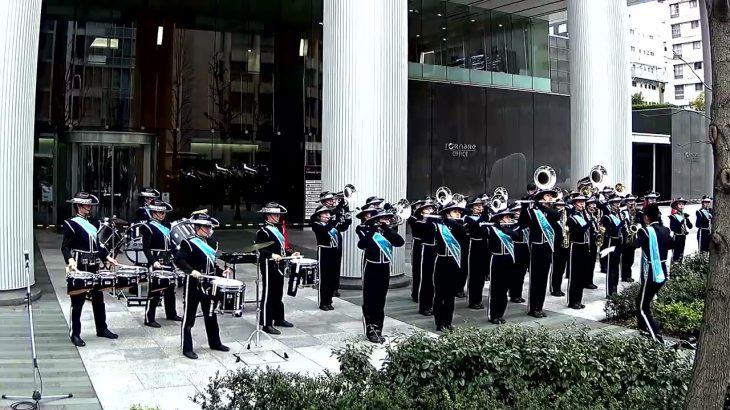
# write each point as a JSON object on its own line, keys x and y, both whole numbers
{"x": 19, "y": 31}
{"x": 365, "y": 97}
{"x": 600, "y": 97}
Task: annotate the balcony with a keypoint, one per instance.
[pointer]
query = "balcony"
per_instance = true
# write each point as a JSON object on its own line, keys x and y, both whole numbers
{"x": 658, "y": 74}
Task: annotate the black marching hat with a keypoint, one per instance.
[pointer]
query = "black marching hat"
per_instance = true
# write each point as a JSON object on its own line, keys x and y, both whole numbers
{"x": 326, "y": 195}
{"x": 677, "y": 201}
{"x": 84, "y": 198}
{"x": 159, "y": 206}
{"x": 477, "y": 200}
{"x": 149, "y": 193}
{"x": 706, "y": 198}
{"x": 368, "y": 209}
{"x": 425, "y": 204}
{"x": 203, "y": 219}
{"x": 541, "y": 193}
{"x": 272, "y": 208}
{"x": 499, "y": 214}
{"x": 320, "y": 209}
{"x": 451, "y": 206}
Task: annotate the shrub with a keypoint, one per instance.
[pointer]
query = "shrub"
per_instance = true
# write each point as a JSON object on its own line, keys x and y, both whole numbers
{"x": 680, "y": 317}
{"x": 506, "y": 368}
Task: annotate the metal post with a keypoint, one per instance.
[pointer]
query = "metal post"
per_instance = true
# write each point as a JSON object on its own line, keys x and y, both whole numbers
{"x": 653, "y": 167}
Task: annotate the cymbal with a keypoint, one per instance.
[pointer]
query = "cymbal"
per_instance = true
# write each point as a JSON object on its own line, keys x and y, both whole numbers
{"x": 257, "y": 246}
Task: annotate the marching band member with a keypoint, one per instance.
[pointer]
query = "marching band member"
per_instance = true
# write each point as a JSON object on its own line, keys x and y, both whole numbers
{"x": 539, "y": 219}
{"x": 155, "y": 235}
{"x": 416, "y": 251}
{"x": 82, "y": 251}
{"x": 522, "y": 258}
{"x": 501, "y": 237}
{"x": 560, "y": 255}
{"x": 340, "y": 210}
{"x": 679, "y": 224}
{"x": 196, "y": 257}
{"x": 655, "y": 241}
{"x": 531, "y": 190}
{"x": 450, "y": 236}
{"x": 477, "y": 266}
{"x": 580, "y": 265}
{"x": 627, "y": 254}
{"x": 614, "y": 224}
{"x": 594, "y": 216}
{"x": 605, "y": 208}
{"x": 704, "y": 224}
{"x": 272, "y": 306}
{"x": 328, "y": 232}
{"x": 147, "y": 195}
{"x": 649, "y": 198}
{"x": 423, "y": 228}
{"x": 376, "y": 239}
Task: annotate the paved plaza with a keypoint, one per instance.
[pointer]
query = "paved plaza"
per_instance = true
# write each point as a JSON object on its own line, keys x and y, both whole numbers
{"x": 145, "y": 365}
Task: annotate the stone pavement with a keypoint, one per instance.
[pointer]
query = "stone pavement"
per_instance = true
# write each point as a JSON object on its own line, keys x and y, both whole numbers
{"x": 60, "y": 365}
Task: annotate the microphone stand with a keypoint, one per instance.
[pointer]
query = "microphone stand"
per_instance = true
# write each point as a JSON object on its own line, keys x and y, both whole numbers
{"x": 37, "y": 395}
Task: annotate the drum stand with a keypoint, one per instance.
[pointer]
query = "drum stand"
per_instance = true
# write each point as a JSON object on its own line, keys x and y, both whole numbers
{"x": 37, "y": 395}
{"x": 256, "y": 334}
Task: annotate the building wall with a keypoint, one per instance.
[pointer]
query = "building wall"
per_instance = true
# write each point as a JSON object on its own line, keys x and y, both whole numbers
{"x": 474, "y": 139}
{"x": 685, "y": 74}
{"x": 647, "y": 37}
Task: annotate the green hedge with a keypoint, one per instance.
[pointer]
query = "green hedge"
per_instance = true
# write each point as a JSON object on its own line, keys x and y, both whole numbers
{"x": 679, "y": 306}
{"x": 505, "y": 368}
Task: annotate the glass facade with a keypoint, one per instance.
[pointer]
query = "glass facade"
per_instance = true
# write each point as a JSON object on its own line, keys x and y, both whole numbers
{"x": 475, "y": 45}
{"x": 216, "y": 103}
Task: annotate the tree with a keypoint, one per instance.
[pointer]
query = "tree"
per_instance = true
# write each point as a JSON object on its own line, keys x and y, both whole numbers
{"x": 699, "y": 102}
{"x": 220, "y": 93}
{"x": 711, "y": 371}
{"x": 637, "y": 99}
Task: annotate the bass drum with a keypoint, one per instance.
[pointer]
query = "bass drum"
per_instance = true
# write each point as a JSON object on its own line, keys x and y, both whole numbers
{"x": 181, "y": 230}
{"x": 133, "y": 245}
{"x": 110, "y": 237}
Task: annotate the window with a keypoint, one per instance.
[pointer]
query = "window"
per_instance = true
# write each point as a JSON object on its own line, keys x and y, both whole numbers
{"x": 674, "y": 10}
{"x": 676, "y": 30}
{"x": 631, "y": 31}
{"x": 651, "y": 37}
{"x": 696, "y": 45}
{"x": 563, "y": 28}
{"x": 678, "y": 71}
{"x": 633, "y": 48}
{"x": 633, "y": 83}
{"x": 651, "y": 53}
{"x": 653, "y": 87}
{"x": 698, "y": 65}
{"x": 679, "y": 92}
{"x": 694, "y": 24}
{"x": 677, "y": 51}
{"x": 699, "y": 87}
{"x": 693, "y": 4}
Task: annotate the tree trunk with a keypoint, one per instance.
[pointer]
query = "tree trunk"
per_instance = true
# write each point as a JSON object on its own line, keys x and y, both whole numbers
{"x": 711, "y": 372}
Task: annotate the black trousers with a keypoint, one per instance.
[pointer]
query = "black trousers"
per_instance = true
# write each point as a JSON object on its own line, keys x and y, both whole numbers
{"x": 329, "y": 273}
{"x": 416, "y": 258}
{"x": 541, "y": 260}
{"x": 593, "y": 255}
{"x": 425, "y": 290}
{"x": 375, "y": 281}
{"x": 646, "y": 320}
{"x": 560, "y": 260}
{"x": 196, "y": 296}
{"x": 679, "y": 243}
{"x": 97, "y": 305}
{"x": 604, "y": 260}
{"x": 272, "y": 293}
{"x": 627, "y": 261}
{"x": 580, "y": 267}
{"x": 445, "y": 289}
{"x": 477, "y": 270}
{"x": 503, "y": 269}
{"x": 613, "y": 264}
{"x": 153, "y": 299}
{"x": 703, "y": 239}
{"x": 463, "y": 273}
{"x": 522, "y": 262}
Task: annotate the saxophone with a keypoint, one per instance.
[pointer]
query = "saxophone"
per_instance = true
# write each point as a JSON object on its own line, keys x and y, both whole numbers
{"x": 564, "y": 226}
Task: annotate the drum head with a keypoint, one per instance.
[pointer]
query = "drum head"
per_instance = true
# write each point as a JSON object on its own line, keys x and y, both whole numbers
{"x": 304, "y": 261}
{"x": 225, "y": 282}
{"x": 163, "y": 273}
{"x": 181, "y": 230}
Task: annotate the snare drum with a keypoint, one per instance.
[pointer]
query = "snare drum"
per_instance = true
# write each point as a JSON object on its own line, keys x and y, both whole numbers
{"x": 79, "y": 282}
{"x": 162, "y": 279}
{"x": 130, "y": 276}
{"x": 303, "y": 272}
{"x": 227, "y": 295}
{"x": 104, "y": 279}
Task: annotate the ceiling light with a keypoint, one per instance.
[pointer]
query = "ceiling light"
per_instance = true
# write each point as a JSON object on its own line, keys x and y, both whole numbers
{"x": 443, "y": 28}
{"x": 303, "y": 46}
{"x": 472, "y": 20}
{"x": 444, "y": 38}
{"x": 500, "y": 25}
{"x": 103, "y": 42}
{"x": 439, "y": 14}
{"x": 159, "y": 35}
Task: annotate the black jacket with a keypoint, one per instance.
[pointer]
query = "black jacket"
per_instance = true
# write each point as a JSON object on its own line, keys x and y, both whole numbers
{"x": 76, "y": 238}
{"x": 265, "y": 234}
{"x": 190, "y": 257}
{"x": 457, "y": 230}
{"x": 529, "y": 220}
{"x": 665, "y": 242}
{"x": 676, "y": 226}
{"x": 322, "y": 231}
{"x": 704, "y": 219}
{"x": 155, "y": 242}
{"x": 372, "y": 252}
{"x": 579, "y": 230}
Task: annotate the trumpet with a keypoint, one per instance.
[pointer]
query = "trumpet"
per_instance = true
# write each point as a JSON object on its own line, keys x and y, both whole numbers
{"x": 347, "y": 195}
{"x": 620, "y": 189}
{"x": 401, "y": 213}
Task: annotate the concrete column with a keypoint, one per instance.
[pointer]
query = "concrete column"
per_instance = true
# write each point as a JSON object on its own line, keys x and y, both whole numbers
{"x": 365, "y": 97}
{"x": 19, "y": 32}
{"x": 600, "y": 97}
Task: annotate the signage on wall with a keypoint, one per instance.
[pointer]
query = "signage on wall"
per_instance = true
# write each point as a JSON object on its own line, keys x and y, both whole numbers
{"x": 691, "y": 156}
{"x": 460, "y": 150}
{"x": 312, "y": 188}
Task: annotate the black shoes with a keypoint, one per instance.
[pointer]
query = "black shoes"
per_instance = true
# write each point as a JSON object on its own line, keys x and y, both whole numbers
{"x": 77, "y": 341}
{"x": 439, "y": 328}
{"x": 283, "y": 323}
{"x": 427, "y": 312}
{"x": 539, "y": 314}
{"x": 373, "y": 337}
{"x": 575, "y": 306}
{"x": 461, "y": 295}
{"x": 176, "y": 318}
{"x": 629, "y": 280}
{"x": 153, "y": 324}
{"x": 591, "y": 286}
{"x": 449, "y": 327}
{"x": 323, "y": 307}
{"x": 336, "y": 294}
{"x": 495, "y": 321}
{"x": 517, "y": 300}
{"x": 108, "y": 334}
{"x": 373, "y": 334}
{"x": 558, "y": 293}
{"x": 221, "y": 348}
{"x": 190, "y": 355}
{"x": 271, "y": 330}
{"x": 476, "y": 306}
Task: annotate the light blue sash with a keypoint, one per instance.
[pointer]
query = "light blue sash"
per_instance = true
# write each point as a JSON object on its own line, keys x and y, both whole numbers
{"x": 277, "y": 234}
{"x": 680, "y": 217}
{"x": 162, "y": 228}
{"x": 506, "y": 242}
{"x": 547, "y": 230}
{"x": 578, "y": 218}
{"x": 615, "y": 219}
{"x": 706, "y": 213}
{"x": 88, "y": 227}
{"x": 526, "y": 235}
{"x": 451, "y": 243}
{"x": 385, "y": 246}
{"x": 207, "y": 250}
{"x": 656, "y": 263}
{"x": 333, "y": 234}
